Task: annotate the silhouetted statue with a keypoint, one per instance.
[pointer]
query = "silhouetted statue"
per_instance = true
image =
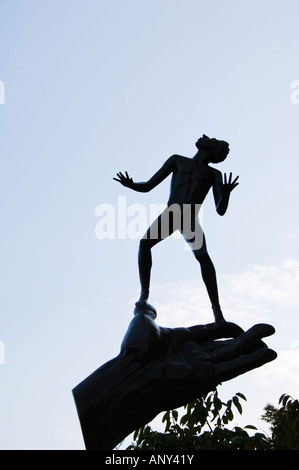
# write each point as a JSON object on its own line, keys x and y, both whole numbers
{"x": 192, "y": 178}
{"x": 160, "y": 369}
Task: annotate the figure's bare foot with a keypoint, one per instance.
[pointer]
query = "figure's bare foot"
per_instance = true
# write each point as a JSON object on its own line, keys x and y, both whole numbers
{"x": 142, "y": 306}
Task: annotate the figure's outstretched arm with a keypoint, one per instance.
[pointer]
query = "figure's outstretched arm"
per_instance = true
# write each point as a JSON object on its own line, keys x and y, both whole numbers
{"x": 222, "y": 191}
{"x": 158, "y": 177}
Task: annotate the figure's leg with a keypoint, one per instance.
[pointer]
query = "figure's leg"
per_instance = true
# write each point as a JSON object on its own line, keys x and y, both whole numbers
{"x": 207, "y": 268}
{"x": 161, "y": 228}
{"x": 209, "y": 277}
{"x": 145, "y": 266}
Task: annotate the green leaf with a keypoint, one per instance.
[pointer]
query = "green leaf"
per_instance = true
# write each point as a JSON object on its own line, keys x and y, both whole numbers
{"x": 184, "y": 419}
{"x": 229, "y": 415}
{"x": 241, "y": 396}
{"x": 281, "y": 398}
{"x": 225, "y": 419}
{"x": 217, "y": 404}
{"x": 239, "y": 430}
{"x": 237, "y": 404}
{"x": 284, "y": 399}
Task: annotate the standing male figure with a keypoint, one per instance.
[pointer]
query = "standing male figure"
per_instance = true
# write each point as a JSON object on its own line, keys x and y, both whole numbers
{"x": 192, "y": 178}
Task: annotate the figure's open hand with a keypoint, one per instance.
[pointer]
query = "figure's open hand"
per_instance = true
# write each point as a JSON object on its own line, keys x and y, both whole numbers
{"x": 125, "y": 180}
{"x": 229, "y": 185}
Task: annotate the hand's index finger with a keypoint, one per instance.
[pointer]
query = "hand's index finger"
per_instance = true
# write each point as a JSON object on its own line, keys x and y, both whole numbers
{"x": 211, "y": 331}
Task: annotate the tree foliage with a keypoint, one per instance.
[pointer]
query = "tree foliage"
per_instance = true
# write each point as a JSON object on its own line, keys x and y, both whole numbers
{"x": 284, "y": 423}
{"x": 202, "y": 427}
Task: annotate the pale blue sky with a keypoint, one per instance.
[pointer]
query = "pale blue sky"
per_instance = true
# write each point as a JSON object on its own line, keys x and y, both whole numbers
{"x": 94, "y": 87}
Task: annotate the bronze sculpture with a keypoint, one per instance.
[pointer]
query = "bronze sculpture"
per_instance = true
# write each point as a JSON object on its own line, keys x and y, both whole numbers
{"x": 192, "y": 178}
{"x": 160, "y": 368}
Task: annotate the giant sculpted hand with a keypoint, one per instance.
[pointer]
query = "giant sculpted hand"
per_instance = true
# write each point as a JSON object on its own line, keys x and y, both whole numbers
{"x": 159, "y": 369}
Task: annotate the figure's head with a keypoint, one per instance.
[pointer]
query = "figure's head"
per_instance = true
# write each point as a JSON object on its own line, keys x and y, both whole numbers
{"x": 218, "y": 149}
